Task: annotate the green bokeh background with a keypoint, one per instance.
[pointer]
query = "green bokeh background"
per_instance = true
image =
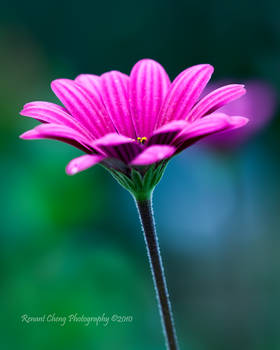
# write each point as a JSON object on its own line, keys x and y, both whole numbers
{"x": 73, "y": 244}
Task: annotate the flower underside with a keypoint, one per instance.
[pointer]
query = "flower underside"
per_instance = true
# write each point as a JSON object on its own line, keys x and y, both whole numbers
{"x": 131, "y": 122}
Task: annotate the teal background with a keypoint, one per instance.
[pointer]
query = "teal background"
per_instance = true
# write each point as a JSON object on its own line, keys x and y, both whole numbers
{"x": 73, "y": 244}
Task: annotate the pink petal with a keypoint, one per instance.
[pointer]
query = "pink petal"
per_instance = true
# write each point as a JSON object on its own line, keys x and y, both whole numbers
{"x": 153, "y": 154}
{"x": 167, "y": 132}
{"x": 118, "y": 146}
{"x": 215, "y": 100}
{"x": 46, "y": 104}
{"x": 55, "y": 130}
{"x": 259, "y": 103}
{"x": 52, "y": 113}
{"x": 82, "y": 163}
{"x": 115, "y": 97}
{"x": 149, "y": 84}
{"x": 184, "y": 92}
{"x": 60, "y": 133}
{"x": 83, "y": 105}
{"x": 211, "y": 124}
{"x": 89, "y": 81}
{"x": 92, "y": 84}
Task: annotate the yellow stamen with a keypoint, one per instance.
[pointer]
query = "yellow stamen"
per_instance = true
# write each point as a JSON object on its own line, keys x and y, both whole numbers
{"x": 142, "y": 139}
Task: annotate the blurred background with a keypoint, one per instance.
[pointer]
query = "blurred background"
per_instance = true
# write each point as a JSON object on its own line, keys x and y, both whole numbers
{"x": 73, "y": 244}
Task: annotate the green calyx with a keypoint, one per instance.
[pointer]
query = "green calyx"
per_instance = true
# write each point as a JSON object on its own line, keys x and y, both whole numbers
{"x": 140, "y": 183}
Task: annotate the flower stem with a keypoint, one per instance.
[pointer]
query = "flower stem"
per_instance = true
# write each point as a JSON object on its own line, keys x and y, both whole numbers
{"x": 145, "y": 211}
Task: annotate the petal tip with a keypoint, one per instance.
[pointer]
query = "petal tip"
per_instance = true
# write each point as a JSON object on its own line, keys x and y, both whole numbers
{"x": 210, "y": 67}
{"x": 80, "y": 76}
{"x": 71, "y": 170}
{"x": 238, "y": 122}
{"x": 147, "y": 60}
{"x": 21, "y": 112}
{"x": 239, "y": 87}
{"x": 59, "y": 81}
{"x": 153, "y": 154}
{"x": 28, "y": 135}
{"x": 205, "y": 66}
{"x": 82, "y": 163}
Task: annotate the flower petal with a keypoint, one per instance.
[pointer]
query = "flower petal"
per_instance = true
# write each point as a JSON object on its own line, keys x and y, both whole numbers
{"x": 167, "y": 132}
{"x": 60, "y": 133}
{"x": 118, "y": 146}
{"x": 153, "y": 154}
{"x": 211, "y": 124}
{"x": 215, "y": 100}
{"x": 115, "y": 97}
{"x": 84, "y": 106}
{"x": 89, "y": 81}
{"x": 55, "y": 130}
{"x": 82, "y": 163}
{"x": 52, "y": 113}
{"x": 184, "y": 92}
{"x": 148, "y": 86}
{"x": 92, "y": 84}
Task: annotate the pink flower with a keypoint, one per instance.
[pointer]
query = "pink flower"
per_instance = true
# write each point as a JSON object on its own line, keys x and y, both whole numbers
{"x": 133, "y": 125}
{"x": 126, "y": 121}
{"x": 259, "y": 104}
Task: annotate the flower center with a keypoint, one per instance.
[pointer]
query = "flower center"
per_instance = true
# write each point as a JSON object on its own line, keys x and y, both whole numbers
{"x": 142, "y": 140}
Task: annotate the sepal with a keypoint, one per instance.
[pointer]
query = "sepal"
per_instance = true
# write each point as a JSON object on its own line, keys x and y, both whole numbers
{"x": 140, "y": 183}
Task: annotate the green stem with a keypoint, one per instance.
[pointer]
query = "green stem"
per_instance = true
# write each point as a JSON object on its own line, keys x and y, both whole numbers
{"x": 145, "y": 211}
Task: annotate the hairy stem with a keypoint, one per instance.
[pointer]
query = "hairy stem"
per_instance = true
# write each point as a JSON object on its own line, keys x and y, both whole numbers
{"x": 148, "y": 225}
